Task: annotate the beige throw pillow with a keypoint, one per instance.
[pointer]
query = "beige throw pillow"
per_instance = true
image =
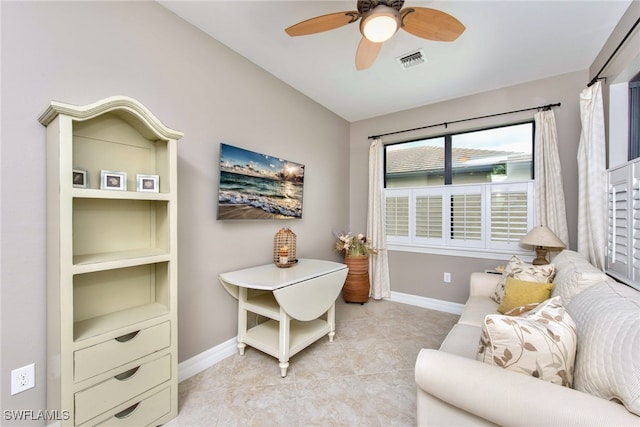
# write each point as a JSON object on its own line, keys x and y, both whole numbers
{"x": 541, "y": 343}
{"x": 521, "y": 270}
{"x": 518, "y": 311}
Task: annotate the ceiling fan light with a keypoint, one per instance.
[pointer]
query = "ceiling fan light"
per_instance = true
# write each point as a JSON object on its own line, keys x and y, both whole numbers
{"x": 380, "y": 24}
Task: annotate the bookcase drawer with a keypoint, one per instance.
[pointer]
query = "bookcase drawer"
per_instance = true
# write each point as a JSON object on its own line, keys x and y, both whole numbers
{"x": 141, "y": 413}
{"x": 120, "y": 388}
{"x": 110, "y": 354}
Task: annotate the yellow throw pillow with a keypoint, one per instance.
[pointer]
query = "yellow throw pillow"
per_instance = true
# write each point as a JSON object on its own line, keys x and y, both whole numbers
{"x": 522, "y": 271}
{"x": 520, "y": 292}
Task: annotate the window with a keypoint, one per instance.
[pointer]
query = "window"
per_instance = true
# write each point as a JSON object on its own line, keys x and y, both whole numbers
{"x": 416, "y": 163}
{"x": 466, "y": 192}
{"x": 634, "y": 118}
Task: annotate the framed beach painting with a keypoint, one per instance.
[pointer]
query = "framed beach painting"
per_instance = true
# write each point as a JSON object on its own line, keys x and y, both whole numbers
{"x": 258, "y": 186}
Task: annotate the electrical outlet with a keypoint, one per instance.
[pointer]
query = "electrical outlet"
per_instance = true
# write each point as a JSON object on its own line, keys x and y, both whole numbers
{"x": 23, "y": 378}
{"x": 447, "y": 278}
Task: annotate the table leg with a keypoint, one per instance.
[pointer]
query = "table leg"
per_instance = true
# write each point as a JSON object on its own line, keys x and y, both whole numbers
{"x": 283, "y": 368}
{"x": 283, "y": 342}
{"x": 242, "y": 319}
{"x": 331, "y": 320}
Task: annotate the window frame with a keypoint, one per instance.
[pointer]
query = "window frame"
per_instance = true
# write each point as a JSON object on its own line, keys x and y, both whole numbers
{"x": 634, "y": 118}
{"x": 485, "y": 247}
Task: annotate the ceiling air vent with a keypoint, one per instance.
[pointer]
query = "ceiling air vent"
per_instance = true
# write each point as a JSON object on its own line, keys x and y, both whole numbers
{"x": 412, "y": 59}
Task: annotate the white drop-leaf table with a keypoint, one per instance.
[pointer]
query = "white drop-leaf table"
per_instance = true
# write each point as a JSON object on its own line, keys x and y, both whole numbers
{"x": 294, "y": 300}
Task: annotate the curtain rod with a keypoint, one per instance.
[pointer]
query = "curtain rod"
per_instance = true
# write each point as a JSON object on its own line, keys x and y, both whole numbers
{"x": 615, "y": 52}
{"x": 445, "y": 124}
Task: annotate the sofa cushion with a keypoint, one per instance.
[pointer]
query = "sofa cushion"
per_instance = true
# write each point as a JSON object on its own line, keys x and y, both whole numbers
{"x": 573, "y": 275}
{"x": 520, "y": 292}
{"x": 461, "y": 340}
{"x": 475, "y": 309}
{"x": 523, "y": 271}
{"x": 541, "y": 343}
{"x": 608, "y": 363}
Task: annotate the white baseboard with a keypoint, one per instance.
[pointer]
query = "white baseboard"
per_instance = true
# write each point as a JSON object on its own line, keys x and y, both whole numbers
{"x": 208, "y": 358}
{"x": 430, "y": 303}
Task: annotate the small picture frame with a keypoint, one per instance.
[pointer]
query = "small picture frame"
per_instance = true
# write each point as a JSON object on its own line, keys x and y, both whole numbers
{"x": 112, "y": 180}
{"x": 148, "y": 183}
{"x": 79, "y": 178}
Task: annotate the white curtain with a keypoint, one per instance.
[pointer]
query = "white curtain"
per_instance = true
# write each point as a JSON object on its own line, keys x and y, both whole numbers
{"x": 550, "y": 206}
{"x": 592, "y": 190}
{"x": 378, "y": 263}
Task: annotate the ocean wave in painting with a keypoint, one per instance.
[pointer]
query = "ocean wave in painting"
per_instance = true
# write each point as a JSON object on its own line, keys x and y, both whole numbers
{"x": 274, "y": 196}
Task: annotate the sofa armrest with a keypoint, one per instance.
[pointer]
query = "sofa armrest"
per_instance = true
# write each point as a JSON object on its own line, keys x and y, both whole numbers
{"x": 483, "y": 284}
{"x": 509, "y": 398}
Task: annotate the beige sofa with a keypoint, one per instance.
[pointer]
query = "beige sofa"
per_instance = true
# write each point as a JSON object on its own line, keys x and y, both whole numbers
{"x": 456, "y": 389}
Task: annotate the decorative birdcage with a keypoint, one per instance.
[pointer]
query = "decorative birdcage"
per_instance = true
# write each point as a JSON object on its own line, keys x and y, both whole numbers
{"x": 284, "y": 248}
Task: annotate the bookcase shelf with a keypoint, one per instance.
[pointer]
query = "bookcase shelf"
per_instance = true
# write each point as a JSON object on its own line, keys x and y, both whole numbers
{"x": 111, "y": 260}
{"x": 86, "y": 193}
{"x": 116, "y": 320}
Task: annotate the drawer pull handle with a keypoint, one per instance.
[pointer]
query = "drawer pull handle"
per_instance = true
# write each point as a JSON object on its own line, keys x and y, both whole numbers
{"x": 127, "y": 374}
{"x": 126, "y": 412}
{"x": 127, "y": 337}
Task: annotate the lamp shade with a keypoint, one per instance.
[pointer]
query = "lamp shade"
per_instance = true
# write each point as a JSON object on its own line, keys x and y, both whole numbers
{"x": 541, "y": 236}
{"x": 380, "y": 24}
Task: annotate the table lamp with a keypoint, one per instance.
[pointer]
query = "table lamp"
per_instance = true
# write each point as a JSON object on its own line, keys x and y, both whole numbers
{"x": 542, "y": 239}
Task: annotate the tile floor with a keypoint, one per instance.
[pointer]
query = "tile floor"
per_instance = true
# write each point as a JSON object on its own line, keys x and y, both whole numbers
{"x": 363, "y": 378}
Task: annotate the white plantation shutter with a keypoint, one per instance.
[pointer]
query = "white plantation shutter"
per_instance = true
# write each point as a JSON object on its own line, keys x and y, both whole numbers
{"x": 618, "y": 207}
{"x": 465, "y": 213}
{"x": 635, "y": 227}
{"x": 397, "y": 215}
{"x": 429, "y": 216}
{"x": 623, "y": 234}
{"x": 491, "y": 217}
{"x": 511, "y": 212}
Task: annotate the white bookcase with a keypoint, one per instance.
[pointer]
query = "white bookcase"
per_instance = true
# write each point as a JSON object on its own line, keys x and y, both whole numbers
{"x": 111, "y": 266}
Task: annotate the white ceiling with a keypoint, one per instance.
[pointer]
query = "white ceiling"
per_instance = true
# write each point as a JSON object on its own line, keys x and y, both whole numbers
{"x": 505, "y": 43}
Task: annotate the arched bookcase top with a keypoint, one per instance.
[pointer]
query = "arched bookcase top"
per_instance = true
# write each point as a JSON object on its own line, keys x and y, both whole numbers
{"x": 128, "y": 109}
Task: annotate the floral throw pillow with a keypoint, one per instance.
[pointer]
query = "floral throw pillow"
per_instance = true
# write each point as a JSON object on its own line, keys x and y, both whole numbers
{"x": 521, "y": 270}
{"x": 540, "y": 343}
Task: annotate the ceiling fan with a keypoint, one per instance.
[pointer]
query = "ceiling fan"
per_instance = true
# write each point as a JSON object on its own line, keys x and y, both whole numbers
{"x": 380, "y": 19}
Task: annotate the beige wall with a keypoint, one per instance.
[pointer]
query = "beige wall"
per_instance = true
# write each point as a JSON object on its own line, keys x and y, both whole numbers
{"x": 422, "y": 274}
{"x": 617, "y": 73}
{"x": 79, "y": 52}
{"x": 626, "y": 62}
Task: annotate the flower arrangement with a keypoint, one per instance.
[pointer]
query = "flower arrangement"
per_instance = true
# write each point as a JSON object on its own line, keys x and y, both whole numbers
{"x": 351, "y": 245}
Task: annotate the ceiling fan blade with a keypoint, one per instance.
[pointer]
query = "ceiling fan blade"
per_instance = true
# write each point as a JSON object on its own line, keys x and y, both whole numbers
{"x": 366, "y": 54}
{"x": 322, "y": 23}
{"x": 431, "y": 24}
